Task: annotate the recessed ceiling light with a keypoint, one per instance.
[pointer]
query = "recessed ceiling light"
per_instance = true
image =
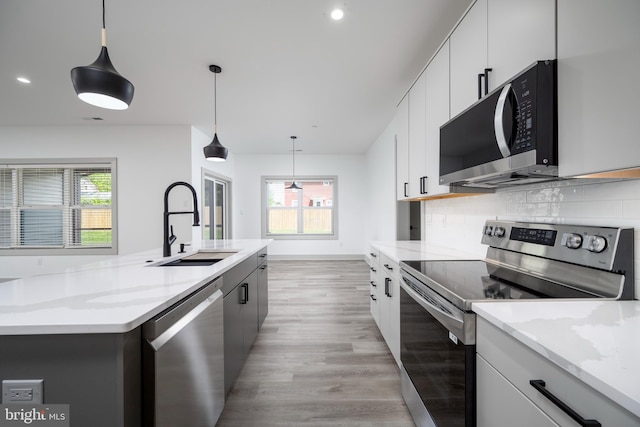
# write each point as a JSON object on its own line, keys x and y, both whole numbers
{"x": 337, "y": 14}
{"x": 23, "y": 80}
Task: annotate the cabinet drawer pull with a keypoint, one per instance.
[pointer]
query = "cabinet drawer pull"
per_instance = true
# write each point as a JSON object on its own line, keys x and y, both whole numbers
{"x": 373, "y": 298}
{"x": 373, "y": 254}
{"x": 373, "y": 283}
{"x": 540, "y": 386}
{"x": 387, "y": 267}
{"x": 372, "y": 269}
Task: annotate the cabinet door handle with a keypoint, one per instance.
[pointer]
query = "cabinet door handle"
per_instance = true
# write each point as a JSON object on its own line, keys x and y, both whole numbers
{"x": 406, "y": 184}
{"x": 373, "y": 254}
{"x": 244, "y": 298}
{"x": 372, "y": 269}
{"x": 480, "y": 77}
{"x": 262, "y": 267}
{"x": 386, "y": 287}
{"x": 388, "y": 268}
{"x": 540, "y": 386}
{"x": 486, "y": 79}
{"x": 423, "y": 185}
{"x": 373, "y": 284}
{"x": 373, "y": 298}
{"x": 262, "y": 255}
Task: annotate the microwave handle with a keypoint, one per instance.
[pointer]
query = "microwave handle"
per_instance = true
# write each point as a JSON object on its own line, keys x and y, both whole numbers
{"x": 498, "y": 123}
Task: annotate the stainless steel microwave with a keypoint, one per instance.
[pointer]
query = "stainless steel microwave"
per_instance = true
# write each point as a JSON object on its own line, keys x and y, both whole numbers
{"x": 509, "y": 137}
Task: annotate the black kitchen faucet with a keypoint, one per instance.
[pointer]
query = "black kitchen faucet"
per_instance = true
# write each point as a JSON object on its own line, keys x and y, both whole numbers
{"x": 169, "y": 237}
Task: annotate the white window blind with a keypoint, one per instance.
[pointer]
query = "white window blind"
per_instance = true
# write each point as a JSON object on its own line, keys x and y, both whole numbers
{"x": 56, "y": 206}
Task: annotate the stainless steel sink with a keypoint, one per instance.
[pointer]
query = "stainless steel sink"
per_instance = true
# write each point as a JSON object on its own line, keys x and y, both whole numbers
{"x": 201, "y": 258}
{"x": 189, "y": 262}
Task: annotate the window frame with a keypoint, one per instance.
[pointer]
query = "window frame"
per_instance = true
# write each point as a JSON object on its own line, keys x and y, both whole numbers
{"x": 264, "y": 209}
{"x": 68, "y": 163}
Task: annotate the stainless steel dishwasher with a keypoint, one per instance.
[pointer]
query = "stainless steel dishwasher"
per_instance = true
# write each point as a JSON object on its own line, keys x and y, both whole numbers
{"x": 183, "y": 353}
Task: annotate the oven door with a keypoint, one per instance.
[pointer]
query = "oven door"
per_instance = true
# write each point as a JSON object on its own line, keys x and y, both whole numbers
{"x": 439, "y": 374}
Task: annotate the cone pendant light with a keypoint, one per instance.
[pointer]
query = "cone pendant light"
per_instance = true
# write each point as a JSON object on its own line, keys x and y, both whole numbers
{"x": 99, "y": 83}
{"x": 215, "y": 151}
{"x": 293, "y": 185}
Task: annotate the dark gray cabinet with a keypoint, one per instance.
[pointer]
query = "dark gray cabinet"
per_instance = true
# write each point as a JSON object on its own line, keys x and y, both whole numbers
{"x": 263, "y": 290}
{"x": 245, "y": 299}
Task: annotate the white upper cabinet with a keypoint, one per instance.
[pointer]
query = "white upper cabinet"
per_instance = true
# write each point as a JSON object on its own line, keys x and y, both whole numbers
{"x": 519, "y": 33}
{"x": 417, "y": 153}
{"x": 468, "y": 57}
{"x": 402, "y": 150}
{"x": 505, "y": 36}
{"x": 598, "y": 89}
{"x": 437, "y": 114}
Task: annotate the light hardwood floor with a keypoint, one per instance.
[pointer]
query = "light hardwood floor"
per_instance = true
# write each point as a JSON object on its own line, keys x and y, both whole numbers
{"x": 319, "y": 359}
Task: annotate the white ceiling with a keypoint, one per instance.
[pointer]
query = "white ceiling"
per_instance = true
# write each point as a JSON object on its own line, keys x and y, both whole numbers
{"x": 287, "y": 68}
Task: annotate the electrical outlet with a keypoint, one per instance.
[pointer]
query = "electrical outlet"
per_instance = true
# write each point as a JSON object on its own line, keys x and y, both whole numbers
{"x": 22, "y": 391}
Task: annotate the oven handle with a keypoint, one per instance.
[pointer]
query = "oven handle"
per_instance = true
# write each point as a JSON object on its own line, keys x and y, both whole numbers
{"x": 463, "y": 329}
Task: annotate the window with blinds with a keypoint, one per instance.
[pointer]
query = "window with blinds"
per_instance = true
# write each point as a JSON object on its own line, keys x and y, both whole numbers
{"x": 57, "y": 207}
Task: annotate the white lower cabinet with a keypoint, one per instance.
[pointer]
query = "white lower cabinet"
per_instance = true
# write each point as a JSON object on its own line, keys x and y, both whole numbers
{"x": 506, "y": 396}
{"x": 373, "y": 291}
{"x": 385, "y": 308}
{"x": 500, "y": 404}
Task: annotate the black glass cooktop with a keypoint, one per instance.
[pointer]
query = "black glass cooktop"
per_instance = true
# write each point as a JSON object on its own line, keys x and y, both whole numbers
{"x": 463, "y": 282}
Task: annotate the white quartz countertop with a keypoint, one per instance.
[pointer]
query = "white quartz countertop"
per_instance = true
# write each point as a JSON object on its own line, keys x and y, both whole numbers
{"x": 417, "y": 250}
{"x": 110, "y": 296}
{"x": 598, "y": 342}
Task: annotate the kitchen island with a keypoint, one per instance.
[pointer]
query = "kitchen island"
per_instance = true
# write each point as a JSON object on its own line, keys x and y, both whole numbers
{"x": 584, "y": 352}
{"x": 81, "y": 329}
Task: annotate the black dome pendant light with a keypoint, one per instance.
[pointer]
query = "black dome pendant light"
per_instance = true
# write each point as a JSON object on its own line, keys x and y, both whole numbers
{"x": 293, "y": 185}
{"x": 215, "y": 151}
{"x": 99, "y": 83}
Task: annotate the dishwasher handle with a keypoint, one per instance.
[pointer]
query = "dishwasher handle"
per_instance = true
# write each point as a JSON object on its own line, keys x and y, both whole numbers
{"x": 185, "y": 320}
{"x": 153, "y": 328}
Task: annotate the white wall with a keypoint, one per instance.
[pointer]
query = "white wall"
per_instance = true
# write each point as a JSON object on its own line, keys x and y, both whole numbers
{"x": 458, "y": 222}
{"x": 381, "y": 216}
{"x": 148, "y": 160}
{"x": 352, "y": 193}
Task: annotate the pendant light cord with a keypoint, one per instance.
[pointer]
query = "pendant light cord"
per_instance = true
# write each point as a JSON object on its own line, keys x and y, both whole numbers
{"x": 104, "y": 25}
{"x": 293, "y": 158}
{"x": 215, "y": 102}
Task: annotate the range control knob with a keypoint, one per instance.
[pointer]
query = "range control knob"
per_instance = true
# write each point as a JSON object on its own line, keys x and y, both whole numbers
{"x": 488, "y": 230}
{"x": 572, "y": 240}
{"x": 596, "y": 244}
{"x": 498, "y": 231}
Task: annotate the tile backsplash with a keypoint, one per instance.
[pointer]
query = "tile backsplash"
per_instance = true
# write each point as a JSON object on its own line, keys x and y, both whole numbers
{"x": 458, "y": 222}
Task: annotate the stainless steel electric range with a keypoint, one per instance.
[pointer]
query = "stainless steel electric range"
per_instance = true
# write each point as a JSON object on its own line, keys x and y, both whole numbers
{"x": 524, "y": 261}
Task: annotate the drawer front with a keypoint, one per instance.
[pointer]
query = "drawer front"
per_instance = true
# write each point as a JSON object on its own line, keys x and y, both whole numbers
{"x": 262, "y": 256}
{"x": 373, "y": 255}
{"x": 519, "y": 364}
{"x": 500, "y": 404}
{"x": 374, "y": 304}
{"x": 389, "y": 266}
{"x": 237, "y": 274}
